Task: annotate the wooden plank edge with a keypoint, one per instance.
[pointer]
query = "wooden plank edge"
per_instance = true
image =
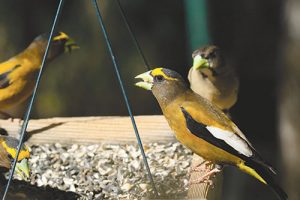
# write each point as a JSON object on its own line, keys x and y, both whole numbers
{"x": 93, "y": 130}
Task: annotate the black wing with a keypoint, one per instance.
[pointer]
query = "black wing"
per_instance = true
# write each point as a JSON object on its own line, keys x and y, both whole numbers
{"x": 201, "y": 131}
{"x": 4, "y": 80}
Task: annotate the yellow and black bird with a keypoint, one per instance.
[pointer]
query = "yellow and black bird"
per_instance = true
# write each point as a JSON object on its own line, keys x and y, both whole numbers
{"x": 212, "y": 78}
{"x": 18, "y": 74}
{"x": 204, "y": 128}
{"x": 8, "y": 151}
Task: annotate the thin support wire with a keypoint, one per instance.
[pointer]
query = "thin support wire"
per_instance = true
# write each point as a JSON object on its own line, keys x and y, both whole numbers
{"x": 29, "y": 108}
{"x": 137, "y": 45}
{"x": 116, "y": 67}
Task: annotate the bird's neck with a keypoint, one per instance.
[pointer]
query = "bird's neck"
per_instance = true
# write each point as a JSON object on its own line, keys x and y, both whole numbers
{"x": 33, "y": 53}
{"x": 166, "y": 98}
{"x": 36, "y": 49}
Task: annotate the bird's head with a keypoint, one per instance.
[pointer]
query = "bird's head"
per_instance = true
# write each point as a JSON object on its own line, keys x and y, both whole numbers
{"x": 61, "y": 43}
{"x": 208, "y": 57}
{"x": 10, "y": 146}
{"x": 164, "y": 83}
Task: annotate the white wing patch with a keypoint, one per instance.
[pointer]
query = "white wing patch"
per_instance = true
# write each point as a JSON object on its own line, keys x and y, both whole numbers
{"x": 231, "y": 139}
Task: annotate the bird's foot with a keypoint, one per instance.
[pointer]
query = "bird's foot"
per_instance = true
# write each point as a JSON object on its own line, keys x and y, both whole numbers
{"x": 19, "y": 121}
{"x": 202, "y": 180}
{"x": 206, "y": 177}
{"x": 202, "y": 167}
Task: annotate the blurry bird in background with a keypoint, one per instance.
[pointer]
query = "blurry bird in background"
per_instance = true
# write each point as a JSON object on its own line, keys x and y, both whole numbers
{"x": 8, "y": 151}
{"x": 212, "y": 78}
{"x": 18, "y": 74}
{"x": 205, "y": 129}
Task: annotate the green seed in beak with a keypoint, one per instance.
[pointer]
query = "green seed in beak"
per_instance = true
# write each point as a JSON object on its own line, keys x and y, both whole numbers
{"x": 70, "y": 45}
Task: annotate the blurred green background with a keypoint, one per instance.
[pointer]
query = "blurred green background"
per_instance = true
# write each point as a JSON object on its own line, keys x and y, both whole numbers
{"x": 259, "y": 38}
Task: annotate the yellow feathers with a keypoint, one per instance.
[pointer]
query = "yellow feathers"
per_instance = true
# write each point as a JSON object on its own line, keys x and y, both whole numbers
{"x": 201, "y": 126}
{"x": 18, "y": 74}
{"x": 160, "y": 72}
{"x": 251, "y": 171}
{"x": 13, "y": 151}
{"x": 61, "y": 36}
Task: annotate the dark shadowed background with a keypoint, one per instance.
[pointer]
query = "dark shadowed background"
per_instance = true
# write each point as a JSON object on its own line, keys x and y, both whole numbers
{"x": 260, "y": 39}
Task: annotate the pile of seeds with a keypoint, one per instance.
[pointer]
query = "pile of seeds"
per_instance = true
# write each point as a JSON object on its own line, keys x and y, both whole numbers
{"x": 109, "y": 171}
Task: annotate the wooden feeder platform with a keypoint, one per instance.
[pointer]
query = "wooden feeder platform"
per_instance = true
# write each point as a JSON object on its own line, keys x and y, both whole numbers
{"x": 113, "y": 130}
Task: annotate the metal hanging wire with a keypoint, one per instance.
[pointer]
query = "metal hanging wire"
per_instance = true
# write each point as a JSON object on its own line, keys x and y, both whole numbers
{"x": 137, "y": 45}
{"x": 116, "y": 67}
{"x": 29, "y": 108}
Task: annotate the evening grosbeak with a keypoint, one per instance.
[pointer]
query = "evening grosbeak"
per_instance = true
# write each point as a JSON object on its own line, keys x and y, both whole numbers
{"x": 18, "y": 74}
{"x": 212, "y": 78}
{"x": 204, "y": 128}
{"x": 8, "y": 151}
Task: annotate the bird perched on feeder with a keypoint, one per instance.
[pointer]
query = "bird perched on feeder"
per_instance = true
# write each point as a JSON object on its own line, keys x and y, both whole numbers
{"x": 18, "y": 74}
{"x": 8, "y": 151}
{"x": 204, "y": 128}
{"x": 212, "y": 78}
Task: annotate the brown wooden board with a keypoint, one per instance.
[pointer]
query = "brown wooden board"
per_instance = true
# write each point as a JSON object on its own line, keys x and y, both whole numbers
{"x": 91, "y": 130}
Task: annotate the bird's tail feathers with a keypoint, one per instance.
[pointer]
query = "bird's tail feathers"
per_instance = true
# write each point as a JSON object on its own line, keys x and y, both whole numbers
{"x": 264, "y": 173}
{"x": 258, "y": 159}
{"x": 271, "y": 169}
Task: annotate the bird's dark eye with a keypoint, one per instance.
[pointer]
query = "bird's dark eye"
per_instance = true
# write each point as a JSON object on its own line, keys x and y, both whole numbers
{"x": 10, "y": 157}
{"x": 212, "y": 55}
{"x": 159, "y": 78}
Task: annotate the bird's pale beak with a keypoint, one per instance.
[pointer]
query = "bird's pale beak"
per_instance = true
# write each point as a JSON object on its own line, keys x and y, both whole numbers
{"x": 200, "y": 62}
{"x": 22, "y": 168}
{"x": 147, "y": 82}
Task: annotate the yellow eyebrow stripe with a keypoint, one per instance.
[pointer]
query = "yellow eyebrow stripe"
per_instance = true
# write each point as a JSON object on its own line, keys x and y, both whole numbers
{"x": 61, "y": 36}
{"x": 23, "y": 153}
{"x": 159, "y": 71}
